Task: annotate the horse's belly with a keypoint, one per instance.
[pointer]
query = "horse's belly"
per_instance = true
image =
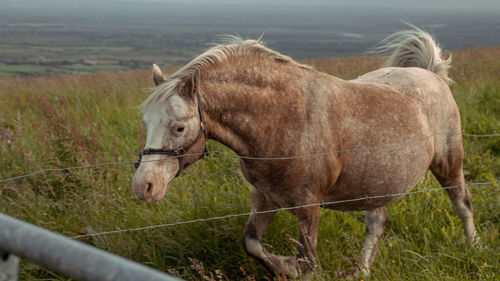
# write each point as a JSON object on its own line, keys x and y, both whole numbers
{"x": 371, "y": 179}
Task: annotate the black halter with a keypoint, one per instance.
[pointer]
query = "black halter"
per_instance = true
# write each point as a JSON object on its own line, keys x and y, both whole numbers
{"x": 179, "y": 152}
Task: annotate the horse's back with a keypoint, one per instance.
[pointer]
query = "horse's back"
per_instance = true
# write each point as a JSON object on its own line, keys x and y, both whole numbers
{"x": 422, "y": 89}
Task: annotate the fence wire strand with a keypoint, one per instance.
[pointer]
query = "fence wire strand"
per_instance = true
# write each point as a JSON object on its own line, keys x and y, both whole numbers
{"x": 322, "y": 204}
{"x": 252, "y": 158}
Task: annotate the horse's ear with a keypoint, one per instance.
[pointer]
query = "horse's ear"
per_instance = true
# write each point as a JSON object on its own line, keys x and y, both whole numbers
{"x": 158, "y": 76}
{"x": 191, "y": 85}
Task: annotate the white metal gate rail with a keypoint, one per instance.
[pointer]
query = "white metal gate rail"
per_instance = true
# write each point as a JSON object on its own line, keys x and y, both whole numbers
{"x": 64, "y": 255}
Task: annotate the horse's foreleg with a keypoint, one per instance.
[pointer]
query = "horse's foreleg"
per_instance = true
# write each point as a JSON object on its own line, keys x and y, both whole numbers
{"x": 375, "y": 224}
{"x": 305, "y": 261}
{"x": 252, "y": 238}
{"x": 308, "y": 220}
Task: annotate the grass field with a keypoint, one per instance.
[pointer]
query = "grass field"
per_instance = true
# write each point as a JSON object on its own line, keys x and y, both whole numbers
{"x": 74, "y": 120}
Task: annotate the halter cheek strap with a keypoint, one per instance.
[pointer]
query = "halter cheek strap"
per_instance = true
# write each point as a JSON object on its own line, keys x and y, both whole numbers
{"x": 179, "y": 152}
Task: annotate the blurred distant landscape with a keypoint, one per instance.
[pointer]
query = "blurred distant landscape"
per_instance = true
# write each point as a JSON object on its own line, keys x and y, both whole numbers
{"x": 43, "y": 37}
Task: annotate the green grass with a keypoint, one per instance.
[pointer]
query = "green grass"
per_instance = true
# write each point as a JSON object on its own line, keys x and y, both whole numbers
{"x": 7, "y": 70}
{"x": 73, "y": 120}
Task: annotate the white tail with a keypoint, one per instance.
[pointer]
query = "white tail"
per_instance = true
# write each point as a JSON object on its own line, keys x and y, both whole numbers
{"x": 414, "y": 48}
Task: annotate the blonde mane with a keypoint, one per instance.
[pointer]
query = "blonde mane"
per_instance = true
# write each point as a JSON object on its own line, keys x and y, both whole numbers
{"x": 234, "y": 46}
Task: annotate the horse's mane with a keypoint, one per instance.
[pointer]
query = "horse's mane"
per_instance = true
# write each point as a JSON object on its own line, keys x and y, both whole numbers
{"x": 233, "y": 46}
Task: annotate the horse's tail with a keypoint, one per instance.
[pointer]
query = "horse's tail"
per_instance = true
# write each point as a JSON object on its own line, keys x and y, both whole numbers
{"x": 415, "y": 48}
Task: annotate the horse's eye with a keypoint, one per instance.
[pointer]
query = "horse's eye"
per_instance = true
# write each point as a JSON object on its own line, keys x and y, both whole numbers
{"x": 177, "y": 128}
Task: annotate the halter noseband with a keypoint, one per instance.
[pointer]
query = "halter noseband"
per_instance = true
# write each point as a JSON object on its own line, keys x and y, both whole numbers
{"x": 179, "y": 152}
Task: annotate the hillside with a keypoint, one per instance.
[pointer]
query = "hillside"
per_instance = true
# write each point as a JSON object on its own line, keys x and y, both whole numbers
{"x": 59, "y": 36}
{"x": 77, "y": 120}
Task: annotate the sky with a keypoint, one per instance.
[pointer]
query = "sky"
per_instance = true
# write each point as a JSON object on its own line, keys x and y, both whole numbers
{"x": 441, "y": 4}
{"x": 462, "y": 5}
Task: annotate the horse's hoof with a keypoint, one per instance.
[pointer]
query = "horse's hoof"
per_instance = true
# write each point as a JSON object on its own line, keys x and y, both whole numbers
{"x": 476, "y": 243}
{"x": 295, "y": 267}
{"x": 284, "y": 266}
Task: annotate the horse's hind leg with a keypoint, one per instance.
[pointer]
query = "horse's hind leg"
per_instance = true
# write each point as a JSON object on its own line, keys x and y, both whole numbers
{"x": 462, "y": 205}
{"x": 375, "y": 224}
{"x": 448, "y": 170}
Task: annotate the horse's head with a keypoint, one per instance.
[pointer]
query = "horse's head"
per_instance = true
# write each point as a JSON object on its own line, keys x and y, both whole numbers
{"x": 176, "y": 134}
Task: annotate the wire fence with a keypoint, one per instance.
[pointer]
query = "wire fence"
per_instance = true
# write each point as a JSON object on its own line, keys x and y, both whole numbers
{"x": 384, "y": 146}
{"x": 322, "y": 204}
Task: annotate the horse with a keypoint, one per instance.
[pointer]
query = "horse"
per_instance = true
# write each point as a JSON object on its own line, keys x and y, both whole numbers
{"x": 297, "y": 132}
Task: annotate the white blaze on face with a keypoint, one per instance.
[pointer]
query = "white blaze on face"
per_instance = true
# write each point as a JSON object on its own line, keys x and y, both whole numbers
{"x": 168, "y": 126}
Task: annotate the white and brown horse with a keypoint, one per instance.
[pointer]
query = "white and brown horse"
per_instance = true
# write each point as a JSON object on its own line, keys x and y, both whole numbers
{"x": 263, "y": 104}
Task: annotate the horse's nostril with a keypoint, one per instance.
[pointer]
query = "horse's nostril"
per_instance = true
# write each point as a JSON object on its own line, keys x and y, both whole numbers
{"x": 149, "y": 188}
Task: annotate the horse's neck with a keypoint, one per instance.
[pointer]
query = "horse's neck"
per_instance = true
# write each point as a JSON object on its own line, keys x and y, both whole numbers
{"x": 245, "y": 107}
{"x": 234, "y": 118}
